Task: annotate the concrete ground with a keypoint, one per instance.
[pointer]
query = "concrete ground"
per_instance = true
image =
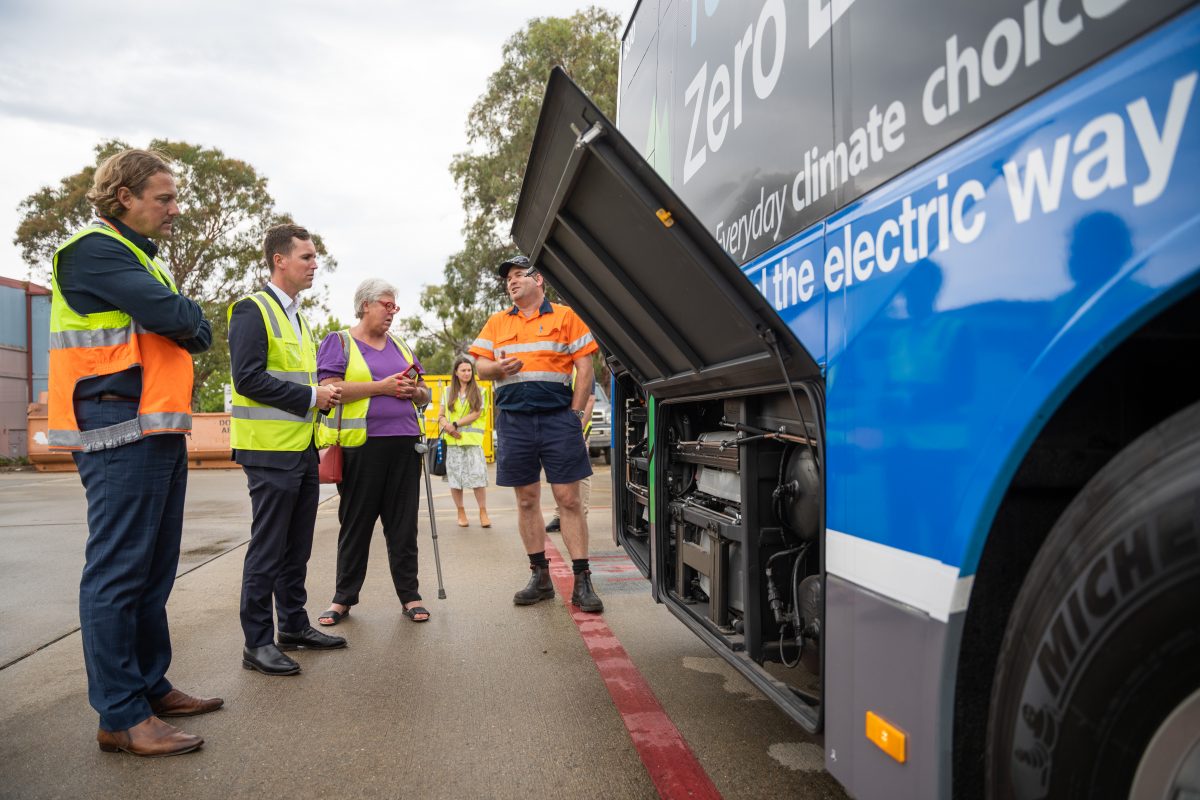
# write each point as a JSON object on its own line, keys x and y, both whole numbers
{"x": 486, "y": 700}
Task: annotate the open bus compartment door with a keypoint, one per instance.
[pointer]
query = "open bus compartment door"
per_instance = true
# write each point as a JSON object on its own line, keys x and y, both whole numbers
{"x": 692, "y": 334}
{"x": 623, "y": 250}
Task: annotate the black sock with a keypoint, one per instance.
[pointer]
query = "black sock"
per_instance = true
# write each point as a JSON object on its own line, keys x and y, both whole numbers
{"x": 579, "y": 565}
{"x": 539, "y": 559}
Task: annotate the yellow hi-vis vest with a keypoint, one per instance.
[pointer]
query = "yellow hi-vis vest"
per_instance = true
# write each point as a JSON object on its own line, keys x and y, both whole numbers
{"x": 473, "y": 433}
{"x": 353, "y": 416}
{"x": 105, "y": 343}
{"x": 257, "y": 426}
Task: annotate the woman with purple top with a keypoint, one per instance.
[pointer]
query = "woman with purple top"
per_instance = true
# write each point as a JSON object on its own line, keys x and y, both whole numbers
{"x": 381, "y": 389}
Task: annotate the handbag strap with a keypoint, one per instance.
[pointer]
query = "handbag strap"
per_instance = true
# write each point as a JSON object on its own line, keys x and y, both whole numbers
{"x": 344, "y": 336}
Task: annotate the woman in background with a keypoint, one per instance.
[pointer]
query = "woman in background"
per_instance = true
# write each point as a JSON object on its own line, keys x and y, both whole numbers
{"x": 462, "y": 406}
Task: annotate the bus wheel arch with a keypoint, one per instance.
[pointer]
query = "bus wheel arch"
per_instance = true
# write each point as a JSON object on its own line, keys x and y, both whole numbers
{"x": 1139, "y": 384}
{"x": 1096, "y": 652}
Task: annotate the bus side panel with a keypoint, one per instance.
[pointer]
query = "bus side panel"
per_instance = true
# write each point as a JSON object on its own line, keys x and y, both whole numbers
{"x": 888, "y": 658}
{"x": 1077, "y": 222}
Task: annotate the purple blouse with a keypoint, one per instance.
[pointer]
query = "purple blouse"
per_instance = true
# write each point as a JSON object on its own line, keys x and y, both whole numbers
{"x": 386, "y": 416}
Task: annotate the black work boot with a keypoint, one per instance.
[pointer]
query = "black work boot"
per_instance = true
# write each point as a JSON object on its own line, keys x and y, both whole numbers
{"x": 584, "y": 595}
{"x": 553, "y": 526}
{"x": 539, "y": 588}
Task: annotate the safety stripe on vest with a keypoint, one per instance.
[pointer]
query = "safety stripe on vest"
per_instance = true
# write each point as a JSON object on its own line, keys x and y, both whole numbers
{"x": 357, "y": 422}
{"x": 470, "y": 429}
{"x": 536, "y": 347}
{"x": 166, "y": 420}
{"x": 580, "y": 343}
{"x": 269, "y": 414}
{"x": 95, "y": 337}
{"x": 265, "y": 305}
{"x": 99, "y": 337}
{"x": 535, "y": 377}
{"x": 307, "y": 378}
{"x": 122, "y": 433}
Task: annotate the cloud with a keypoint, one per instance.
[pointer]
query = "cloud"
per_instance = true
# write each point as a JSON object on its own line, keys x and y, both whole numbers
{"x": 352, "y": 110}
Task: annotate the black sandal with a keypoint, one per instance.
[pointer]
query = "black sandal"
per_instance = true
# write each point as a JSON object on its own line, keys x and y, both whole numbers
{"x": 336, "y": 616}
{"x": 412, "y": 613}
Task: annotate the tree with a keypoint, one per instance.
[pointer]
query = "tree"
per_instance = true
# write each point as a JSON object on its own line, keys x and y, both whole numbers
{"x": 500, "y": 128}
{"x": 215, "y": 254}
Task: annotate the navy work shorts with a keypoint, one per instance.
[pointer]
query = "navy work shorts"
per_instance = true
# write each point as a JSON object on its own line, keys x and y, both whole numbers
{"x": 531, "y": 441}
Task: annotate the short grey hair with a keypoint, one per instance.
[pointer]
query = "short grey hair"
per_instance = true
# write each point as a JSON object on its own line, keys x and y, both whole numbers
{"x": 369, "y": 291}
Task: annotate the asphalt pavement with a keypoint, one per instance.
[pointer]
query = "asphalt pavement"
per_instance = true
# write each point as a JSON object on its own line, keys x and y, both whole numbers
{"x": 486, "y": 700}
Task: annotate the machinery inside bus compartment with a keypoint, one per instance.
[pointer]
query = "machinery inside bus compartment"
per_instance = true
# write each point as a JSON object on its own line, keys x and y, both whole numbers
{"x": 736, "y": 535}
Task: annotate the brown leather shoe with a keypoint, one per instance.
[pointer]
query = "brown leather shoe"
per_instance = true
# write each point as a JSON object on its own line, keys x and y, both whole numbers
{"x": 177, "y": 704}
{"x": 150, "y": 737}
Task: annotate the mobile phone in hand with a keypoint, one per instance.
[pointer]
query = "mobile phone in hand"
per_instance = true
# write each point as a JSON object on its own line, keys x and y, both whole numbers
{"x": 412, "y": 373}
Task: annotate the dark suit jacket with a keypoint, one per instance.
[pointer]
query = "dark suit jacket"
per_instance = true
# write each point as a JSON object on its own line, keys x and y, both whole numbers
{"x": 248, "y": 363}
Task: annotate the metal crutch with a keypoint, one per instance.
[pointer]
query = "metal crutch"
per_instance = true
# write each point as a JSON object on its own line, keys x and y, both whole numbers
{"x": 421, "y": 447}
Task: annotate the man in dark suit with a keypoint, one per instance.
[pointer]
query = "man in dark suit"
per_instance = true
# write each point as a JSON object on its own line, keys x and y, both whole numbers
{"x": 272, "y": 358}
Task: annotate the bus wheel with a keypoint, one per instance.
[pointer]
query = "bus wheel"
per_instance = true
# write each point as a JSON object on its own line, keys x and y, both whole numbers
{"x": 1098, "y": 675}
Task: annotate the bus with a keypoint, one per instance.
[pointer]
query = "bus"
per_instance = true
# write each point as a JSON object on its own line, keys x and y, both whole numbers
{"x": 901, "y": 300}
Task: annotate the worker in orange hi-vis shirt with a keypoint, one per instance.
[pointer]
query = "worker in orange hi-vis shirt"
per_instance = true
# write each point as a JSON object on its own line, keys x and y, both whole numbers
{"x": 529, "y": 352}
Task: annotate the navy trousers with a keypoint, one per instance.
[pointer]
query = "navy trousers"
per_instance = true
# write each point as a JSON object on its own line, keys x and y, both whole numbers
{"x": 135, "y": 495}
{"x": 284, "y": 504}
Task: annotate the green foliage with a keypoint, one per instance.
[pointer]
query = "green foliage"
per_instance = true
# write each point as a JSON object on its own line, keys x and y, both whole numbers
{"x": 500, "y": 128}
{"x": 323, "y": 329}
{"x": 215, "y": 254}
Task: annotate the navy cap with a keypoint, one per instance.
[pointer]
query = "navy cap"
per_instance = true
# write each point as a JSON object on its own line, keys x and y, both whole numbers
{"x": 515, "y": 261}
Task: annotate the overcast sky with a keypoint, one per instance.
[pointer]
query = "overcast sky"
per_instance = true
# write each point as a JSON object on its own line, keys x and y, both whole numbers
{"x": 352, "y": 109}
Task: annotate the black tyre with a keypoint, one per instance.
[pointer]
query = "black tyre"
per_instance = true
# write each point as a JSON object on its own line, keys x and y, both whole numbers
{"x": 608, "y": 455}
{"x": 1102, "y": 652}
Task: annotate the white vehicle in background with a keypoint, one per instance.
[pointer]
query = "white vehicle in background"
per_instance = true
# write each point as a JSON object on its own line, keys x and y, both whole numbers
{"x": 600, "y": 436}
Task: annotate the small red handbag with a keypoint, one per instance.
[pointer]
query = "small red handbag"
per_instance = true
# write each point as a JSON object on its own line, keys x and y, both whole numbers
{"x": 330, "y": 468}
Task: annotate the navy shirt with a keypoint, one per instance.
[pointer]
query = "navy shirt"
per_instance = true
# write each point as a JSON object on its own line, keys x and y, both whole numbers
{"x": 98, "y": 273}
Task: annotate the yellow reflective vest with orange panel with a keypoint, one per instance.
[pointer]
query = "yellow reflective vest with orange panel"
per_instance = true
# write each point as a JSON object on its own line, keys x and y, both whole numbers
{"x": 105, "y": 343}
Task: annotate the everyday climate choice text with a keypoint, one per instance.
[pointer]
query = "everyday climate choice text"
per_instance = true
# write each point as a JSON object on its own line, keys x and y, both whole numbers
{"x": 1124, "y": 154}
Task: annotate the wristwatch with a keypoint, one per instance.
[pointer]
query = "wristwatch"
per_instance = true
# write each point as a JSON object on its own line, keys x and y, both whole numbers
{"x": 577, "y": 413}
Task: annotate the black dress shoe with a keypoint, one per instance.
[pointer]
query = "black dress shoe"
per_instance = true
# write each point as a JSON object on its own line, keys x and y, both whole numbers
{"x": 310, "y": 639}
{"x": 268, "y": 660}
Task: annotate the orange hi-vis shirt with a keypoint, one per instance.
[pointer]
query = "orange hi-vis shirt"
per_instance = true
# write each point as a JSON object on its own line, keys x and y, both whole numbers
{"x": 547, "y": 343}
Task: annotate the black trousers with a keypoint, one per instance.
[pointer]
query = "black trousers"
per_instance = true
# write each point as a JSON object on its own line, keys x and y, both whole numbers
{"x": 284, "y": 504}
{"x": 380, "y": 480}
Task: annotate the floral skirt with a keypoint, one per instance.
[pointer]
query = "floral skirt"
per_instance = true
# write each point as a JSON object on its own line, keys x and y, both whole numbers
{"x": 465, "y": 466}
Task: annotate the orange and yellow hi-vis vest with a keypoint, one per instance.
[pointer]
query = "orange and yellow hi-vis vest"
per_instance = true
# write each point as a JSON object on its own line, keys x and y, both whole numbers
{"x": 105, "y": 343}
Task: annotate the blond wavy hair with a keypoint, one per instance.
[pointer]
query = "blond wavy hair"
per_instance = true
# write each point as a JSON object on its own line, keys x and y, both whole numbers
{"x": 129, "y": 168}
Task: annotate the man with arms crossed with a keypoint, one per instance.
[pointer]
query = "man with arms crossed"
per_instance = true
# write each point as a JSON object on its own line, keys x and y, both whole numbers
{"x": 275, "y": 402}
{"x": 529, "y": 351}
{"x": 121, "y": 374}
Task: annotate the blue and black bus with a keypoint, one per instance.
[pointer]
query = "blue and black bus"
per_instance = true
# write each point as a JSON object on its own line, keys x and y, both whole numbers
{"x": 902, "y": 303}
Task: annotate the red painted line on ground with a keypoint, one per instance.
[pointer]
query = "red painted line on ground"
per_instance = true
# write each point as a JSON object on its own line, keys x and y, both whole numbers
{"x": 671, "y": 764}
